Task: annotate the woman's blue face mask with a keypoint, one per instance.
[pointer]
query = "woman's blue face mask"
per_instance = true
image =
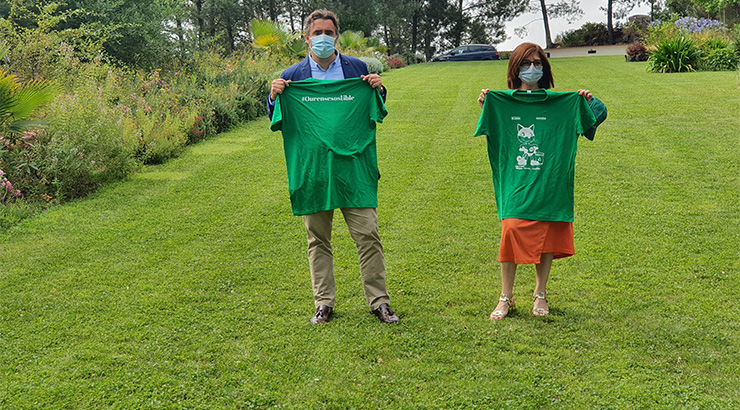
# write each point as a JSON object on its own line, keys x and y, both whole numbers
{"x": 532, "y": 75}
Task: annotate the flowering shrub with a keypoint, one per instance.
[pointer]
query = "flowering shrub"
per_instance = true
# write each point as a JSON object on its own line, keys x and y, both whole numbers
{"x": 395, "y": 62}
{"x": 6, "y": 189}
{"x": 701, "y": 25}
{"x": 689, "y": 44}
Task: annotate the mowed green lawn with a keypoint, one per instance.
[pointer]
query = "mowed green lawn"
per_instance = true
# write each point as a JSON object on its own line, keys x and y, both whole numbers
{"x": 187, "y": 286}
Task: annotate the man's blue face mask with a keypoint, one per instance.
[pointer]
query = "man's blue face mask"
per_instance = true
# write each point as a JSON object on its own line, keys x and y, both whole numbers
{"x": 322, "y": 45}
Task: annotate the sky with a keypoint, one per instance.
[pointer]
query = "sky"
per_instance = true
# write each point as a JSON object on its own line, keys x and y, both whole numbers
{"x": 536, "y": 29}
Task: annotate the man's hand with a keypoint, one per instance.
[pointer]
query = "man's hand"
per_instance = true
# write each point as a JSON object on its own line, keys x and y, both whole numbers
{"x": 374, "y": 80}
{"x": 586, "y": 94}
{"x": 278, "y": 86}
{"x": 482, "y": 96}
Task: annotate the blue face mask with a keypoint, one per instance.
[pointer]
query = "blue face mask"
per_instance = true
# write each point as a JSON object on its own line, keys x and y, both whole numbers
{"x": 322, "y": 45}
{"x": 531, "y": 75}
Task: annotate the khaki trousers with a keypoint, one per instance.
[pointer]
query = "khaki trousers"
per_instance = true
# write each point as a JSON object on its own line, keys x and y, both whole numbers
{"x": 363, "y": 226}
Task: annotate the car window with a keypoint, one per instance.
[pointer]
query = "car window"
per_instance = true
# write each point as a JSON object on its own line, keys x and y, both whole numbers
{"x": 460, "y": 50}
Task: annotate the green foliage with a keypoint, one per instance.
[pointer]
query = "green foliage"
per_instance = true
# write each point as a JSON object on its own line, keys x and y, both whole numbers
{"x": 675, "y": 55}
{"x": 270, "y": 37}
{"x": 719, "y": 59}
{"x": 712, "y": 49}
{"x": 413, "y": 58}
{"x": 354, "y": 40}
{"x": 374, "y": 66}
{"x": 715, "y": 5}
{"x": 19, "y": 100}
{"x": 355, "y": 43}
{"x": 107, "y": 120}
{"x": 44, "y": 48}
{"x": 590, "y": 34}
{"x": 86, "y": 144}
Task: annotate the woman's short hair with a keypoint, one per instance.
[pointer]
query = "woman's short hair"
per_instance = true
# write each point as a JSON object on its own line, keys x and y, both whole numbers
{"x": 523, "y": 51}
{"x": 322, "y": 14}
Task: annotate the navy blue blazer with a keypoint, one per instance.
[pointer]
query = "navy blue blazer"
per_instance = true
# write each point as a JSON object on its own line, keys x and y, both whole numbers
{"x": 352, "y": 67}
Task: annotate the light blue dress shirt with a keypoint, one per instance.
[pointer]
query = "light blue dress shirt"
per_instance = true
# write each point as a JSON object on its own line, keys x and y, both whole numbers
{"x": 334, "y": 72}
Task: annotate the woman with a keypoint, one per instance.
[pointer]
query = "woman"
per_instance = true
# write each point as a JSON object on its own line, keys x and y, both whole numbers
{"x": 531, "y": 136}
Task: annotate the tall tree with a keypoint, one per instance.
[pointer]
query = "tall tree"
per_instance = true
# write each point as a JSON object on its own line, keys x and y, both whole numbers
{"x": 570, "y": 9}
{"x": 495, "y": 13}
{"x": 618, "y": 9}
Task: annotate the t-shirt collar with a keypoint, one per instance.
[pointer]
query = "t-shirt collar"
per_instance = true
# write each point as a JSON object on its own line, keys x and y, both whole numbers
{"x": 530, "y": 95}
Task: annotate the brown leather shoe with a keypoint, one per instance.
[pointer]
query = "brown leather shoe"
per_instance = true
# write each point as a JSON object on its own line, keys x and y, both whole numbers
{"x": 385, "y": 314}
{"x": 323, "y": 313}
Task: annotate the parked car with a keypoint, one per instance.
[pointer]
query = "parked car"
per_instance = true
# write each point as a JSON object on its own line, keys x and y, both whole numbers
{"x": 469, "y": 52}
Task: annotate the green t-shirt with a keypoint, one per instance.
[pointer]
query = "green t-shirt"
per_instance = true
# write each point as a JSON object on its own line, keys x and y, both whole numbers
{"x": 532, "y": 142}
{"x": 329, "y": 140}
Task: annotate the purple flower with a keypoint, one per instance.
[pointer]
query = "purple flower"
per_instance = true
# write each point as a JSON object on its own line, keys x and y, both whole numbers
{"x": 701, "y": 25}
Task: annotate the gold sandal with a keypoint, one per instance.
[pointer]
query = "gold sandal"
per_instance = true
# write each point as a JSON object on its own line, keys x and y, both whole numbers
{"x": 541, "y": 311}
{"x": 499, "y": 314}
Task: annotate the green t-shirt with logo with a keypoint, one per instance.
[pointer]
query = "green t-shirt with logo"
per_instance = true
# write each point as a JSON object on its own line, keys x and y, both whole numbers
{"x": 329, "y": 141}
{"x": 532, "y": 142}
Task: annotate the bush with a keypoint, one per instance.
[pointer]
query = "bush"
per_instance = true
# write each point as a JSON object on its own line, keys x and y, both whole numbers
{"x": 711, "y": 49}
{"x": 736, "y": 37}
{"x": 374, "y": 66}
{"x": 636, "y": 52}
{"x": 721, "y": 59}
{"x": 413, "y": 58}
{"x": 590, "y": 34}
{"x": 396, "y": 61}
{"x": 85, "y": 145}
{"x": 674, "y": 55}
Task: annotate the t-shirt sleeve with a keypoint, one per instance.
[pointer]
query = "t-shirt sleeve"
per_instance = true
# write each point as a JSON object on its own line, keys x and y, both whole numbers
{"x": 484, "y": 120}
{"x": 377, "y": 109}
{"x": 585, "y": 117}
{"x": 599, "y": 110}
{"x": 277, "y": 116}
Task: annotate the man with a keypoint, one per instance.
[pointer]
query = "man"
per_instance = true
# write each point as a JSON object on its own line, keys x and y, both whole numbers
{"x": 325, "y": 63}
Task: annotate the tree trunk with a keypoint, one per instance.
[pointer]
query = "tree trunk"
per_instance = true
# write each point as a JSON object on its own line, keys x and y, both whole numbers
{"x": 273, "y": 13}
{"x": 199, "y": 17}
{"x": 180, "y": 35}
{"x": 548, "y": 39}
{"x": 212, "y": 19}
{"x": 609, "y": 22}
{"x": 414, "y": 30}
{"x": 387, "y": 36}
{"x": 229, "y": 36}
{"x": 460, "y": 28}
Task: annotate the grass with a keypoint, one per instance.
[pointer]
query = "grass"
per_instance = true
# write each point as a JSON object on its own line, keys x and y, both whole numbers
{"x": 186, "y": 286}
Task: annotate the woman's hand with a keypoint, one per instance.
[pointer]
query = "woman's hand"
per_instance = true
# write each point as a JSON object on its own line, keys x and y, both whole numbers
{"x": 482, "y": 96}
{"x": 586, "y": 94}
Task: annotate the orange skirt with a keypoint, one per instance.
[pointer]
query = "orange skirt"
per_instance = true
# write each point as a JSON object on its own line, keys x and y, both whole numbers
{"x": 524, "y": 241}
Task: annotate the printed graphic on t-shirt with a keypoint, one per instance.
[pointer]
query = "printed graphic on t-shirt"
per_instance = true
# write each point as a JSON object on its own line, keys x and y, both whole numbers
{"x": 531, "y": 157}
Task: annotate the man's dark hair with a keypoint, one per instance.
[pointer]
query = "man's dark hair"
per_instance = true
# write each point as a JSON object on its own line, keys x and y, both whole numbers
{"x": 322, "y": 14}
